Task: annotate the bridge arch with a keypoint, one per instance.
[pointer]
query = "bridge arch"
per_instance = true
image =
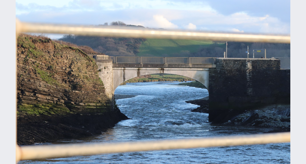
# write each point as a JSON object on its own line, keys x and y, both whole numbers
{"x": 112, "y": 75}
{"x": 121, "y": 75}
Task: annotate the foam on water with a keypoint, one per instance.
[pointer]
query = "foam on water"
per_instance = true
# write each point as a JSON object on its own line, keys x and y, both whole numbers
{"x": 159, "y": 112}
{"x": 129, "y": 123}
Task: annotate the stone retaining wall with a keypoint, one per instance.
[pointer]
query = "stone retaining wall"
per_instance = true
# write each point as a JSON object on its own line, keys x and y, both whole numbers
{"x": 240, "y": 84}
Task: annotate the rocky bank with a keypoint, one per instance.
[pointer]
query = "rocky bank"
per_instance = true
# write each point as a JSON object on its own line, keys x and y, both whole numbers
{"x": 275, "y": 116}
{"x": 60, "y": 95}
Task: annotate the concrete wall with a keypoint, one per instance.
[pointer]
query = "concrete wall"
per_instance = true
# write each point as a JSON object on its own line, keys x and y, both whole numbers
{"x": 105, "y": 68}
{"x": 240, "y": 84}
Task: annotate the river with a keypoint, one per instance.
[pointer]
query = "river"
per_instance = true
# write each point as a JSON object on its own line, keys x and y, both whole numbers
{"x": 159, "y": 111}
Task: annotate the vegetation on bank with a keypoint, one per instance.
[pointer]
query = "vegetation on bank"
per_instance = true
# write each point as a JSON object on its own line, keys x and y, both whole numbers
{"x": 194, "y": 84}
{"x": 158, "y": 77}
{"x": 166, "y": 77}
{"x": 42, "y": 109}
{"x": 55, "y": 75}
{"x": 59, "y": 92}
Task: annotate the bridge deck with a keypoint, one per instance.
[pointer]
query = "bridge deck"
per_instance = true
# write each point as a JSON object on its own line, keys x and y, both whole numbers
{"x": 131, "y": 65}
{"x": 174, "y": 62}
{"x": 161, "y": 62}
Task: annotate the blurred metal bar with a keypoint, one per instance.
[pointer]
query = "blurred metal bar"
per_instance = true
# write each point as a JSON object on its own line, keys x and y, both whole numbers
{"x": 117, "y": 31}
{"x": 53, "y": 151}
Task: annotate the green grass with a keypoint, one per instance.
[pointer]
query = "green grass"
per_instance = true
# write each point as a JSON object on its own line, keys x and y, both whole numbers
{"x": 172, "y": 47}
{"x": 42, "y": 109}
{"x": 45, "y": 76}
{"x": 35, "y": 53}
{"x": 159, "y": 77}
{"x": 25, "y": 42}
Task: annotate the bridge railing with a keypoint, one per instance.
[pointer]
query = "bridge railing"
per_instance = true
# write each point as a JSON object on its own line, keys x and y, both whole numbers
{"x": 284, "y": 61}
{"x": 152, "y": 60}
{"x": 124, "y": 59}
{"x": 162, "y": 60}
{"x": 53, "y": 151}
{"x": 202, "y": 60}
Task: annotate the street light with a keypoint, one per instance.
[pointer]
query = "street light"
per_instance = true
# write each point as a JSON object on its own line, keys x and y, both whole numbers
{"x": 226, "y": 48}
{"x": 247, "y": 52}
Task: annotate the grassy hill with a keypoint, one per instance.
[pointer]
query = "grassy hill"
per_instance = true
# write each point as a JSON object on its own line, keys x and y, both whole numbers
{"x": 173, "y": 47}
{"x": 113, "y": 46}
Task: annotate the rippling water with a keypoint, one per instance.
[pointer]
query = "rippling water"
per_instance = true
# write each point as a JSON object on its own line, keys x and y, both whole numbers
{"x": 159, "y": 111}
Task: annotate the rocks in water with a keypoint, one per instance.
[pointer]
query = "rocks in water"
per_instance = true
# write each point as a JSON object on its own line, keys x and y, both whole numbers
{"x": 275, "y": 116}
{"x": 272, "y": 116}
{"x": 203, "y": 105}
{"x": 117, "y": 96}
{"x": 174, "y": 123}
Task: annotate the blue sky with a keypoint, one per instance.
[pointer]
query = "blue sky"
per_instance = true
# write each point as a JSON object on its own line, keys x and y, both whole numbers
{"x": 249, "y": 16}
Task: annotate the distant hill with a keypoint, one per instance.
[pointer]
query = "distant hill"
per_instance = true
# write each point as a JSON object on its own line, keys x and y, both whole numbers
{"x": 107, "y": 45}
{"x": 86, "y": 49}
{"x": 173, "y": 47}
{"x": 238, "y": 50}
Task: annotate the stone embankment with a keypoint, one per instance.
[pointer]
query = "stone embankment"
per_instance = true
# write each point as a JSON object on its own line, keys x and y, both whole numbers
{"x": 60, "y": 95}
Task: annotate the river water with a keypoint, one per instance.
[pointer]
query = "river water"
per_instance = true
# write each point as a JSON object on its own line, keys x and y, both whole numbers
{"x": 159, "y": 111}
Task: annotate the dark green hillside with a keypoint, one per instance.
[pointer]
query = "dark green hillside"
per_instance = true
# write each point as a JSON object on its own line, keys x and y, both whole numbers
{"x": 171, "y": 47}
{"x": 106, "y": 45}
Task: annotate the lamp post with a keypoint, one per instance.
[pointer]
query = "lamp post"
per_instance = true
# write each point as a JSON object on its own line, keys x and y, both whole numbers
{"x": 253, "y": 53}
{"x": 226, "y": 48}
{"x": 248, "y": 52}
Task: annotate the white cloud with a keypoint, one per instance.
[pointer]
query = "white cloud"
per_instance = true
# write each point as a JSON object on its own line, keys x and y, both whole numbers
{"x": 263, "y": 18}
{"x": 162, "y": 22}
{"x": 149, "y": 14}
{"x": 191, "y": 26}
{"x": 87, "y": 2}
{"x": 236, "y": 30}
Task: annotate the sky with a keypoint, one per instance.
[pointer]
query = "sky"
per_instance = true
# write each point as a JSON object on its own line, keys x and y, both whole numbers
{"x": 241, "y": 16}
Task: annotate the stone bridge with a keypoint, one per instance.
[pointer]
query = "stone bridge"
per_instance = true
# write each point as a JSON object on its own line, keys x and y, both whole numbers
{"x": 114, "y": 71}
{"x": 233, "y": 83}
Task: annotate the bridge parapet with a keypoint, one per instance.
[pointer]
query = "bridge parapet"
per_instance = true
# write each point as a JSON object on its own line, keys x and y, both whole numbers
{"x": 164, "y": 62}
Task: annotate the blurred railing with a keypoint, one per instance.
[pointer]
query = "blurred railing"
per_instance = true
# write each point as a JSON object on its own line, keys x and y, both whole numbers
{"x": 53, "y": 151}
